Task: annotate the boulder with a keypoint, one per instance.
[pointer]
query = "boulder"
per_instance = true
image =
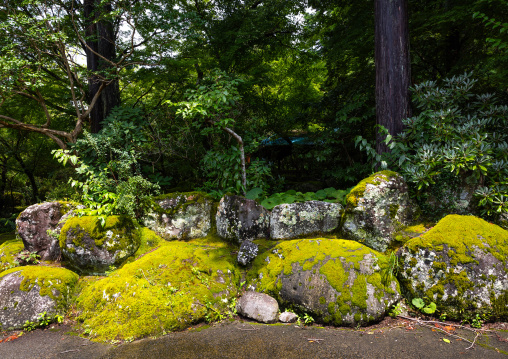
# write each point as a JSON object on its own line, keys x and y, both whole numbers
{"x": 503, "y": 220}
{"x": 288, "y": 317}
{"x": 258, "y": 306}
{"x": 461, "y": 265}
{"x": 377, "y": 208}
{"x": 337, "y": 281}
{"x": 240, "y": 219}
{"x": 39, "y": 226}
{"x": 300, "y": 219}
{"x": 26, "y": 292}
{"x": 91, "y": 249}
{"x": 181, "y": 215}
{"x": 169, "y": 289}
{"x": 8, "y": 252}
{"x": 247, "y": 252}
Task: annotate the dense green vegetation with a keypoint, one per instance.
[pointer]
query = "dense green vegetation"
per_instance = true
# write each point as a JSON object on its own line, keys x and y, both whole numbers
{"x": 229, "y": 95}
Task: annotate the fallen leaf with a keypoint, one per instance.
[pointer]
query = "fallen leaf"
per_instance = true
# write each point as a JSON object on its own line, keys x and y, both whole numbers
{"x": 446, "y": 340}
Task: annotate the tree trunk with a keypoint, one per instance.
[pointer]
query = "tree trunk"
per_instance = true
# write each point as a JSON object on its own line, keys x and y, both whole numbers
{"x": 393, "y": 68}
{"x": 100, "y": 41}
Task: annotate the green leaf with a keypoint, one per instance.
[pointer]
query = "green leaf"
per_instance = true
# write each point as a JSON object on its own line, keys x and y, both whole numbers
{"x": 418, "y": 303}
{"x": 446, "y": 340}
{"x": 430, "y": 309}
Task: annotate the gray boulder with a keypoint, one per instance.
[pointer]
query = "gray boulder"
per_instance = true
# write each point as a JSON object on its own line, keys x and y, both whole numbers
{"x": 248, "y": 251}
{"x": 91, "y": 249}
{"x": 377, "y": 208}
{"x": 39, "y": 226}
{"x": 181, "y": 215}
{"x": 27, "y": 292}
{"x": 240, "y": 219}
{"x": 258, "y": 306}
{"x": 299, "y": 219}
{"x": 336, "y": 281}
{"x": 288, "y": 317}
{"x": 460, "y": 265}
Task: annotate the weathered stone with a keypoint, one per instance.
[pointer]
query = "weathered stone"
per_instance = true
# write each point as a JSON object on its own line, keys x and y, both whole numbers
{"x": 181, "y": 215}
{"x": 376, "y": 208}
{"x": 39, "y": 226}
{"x": 240, "y": 219}
{"x": 258, "y": 306}
{"x": 89, "y": 248}
{"x": 247, "y": 252}
{"x": 503, "y": 220}
{"x": 288, "y": 317}
{"x": 168, "y": 289}
{"x": 461, "y": 265}
{"x": 298, "y": 219}
{"x": 26, "y": 292}
{"x": 336, "y": 281}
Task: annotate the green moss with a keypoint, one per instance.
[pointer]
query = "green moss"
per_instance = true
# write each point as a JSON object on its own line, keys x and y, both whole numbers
{"x": 54, "y": 282}
{"x": 168, "y": 289}
{"x": 335, "y": 259}
{"x": 182, "y": 199}
{"x": 359, "y": 189}
{"x": 8, "y": 251}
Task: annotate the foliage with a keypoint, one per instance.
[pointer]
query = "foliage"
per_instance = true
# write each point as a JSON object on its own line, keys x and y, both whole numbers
{"x": 111, "y": 179}
{"x": 419, "y": 303}
{"x": 330, "y": 195}
{"x": 456, "y": 132}
{"x": 27, "y": 258}
{"x": 42, "y": 321}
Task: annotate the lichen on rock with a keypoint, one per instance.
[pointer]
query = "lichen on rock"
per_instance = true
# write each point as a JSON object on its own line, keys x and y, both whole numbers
{"x": 294, "y": 220}
{"x": 337, "y": 281}
{"x": 169, "y": 289}
{"x": 178, "y": 215}
{"x": 376, "y": 208}
{"x": 89, "y": 248}
{"x": 461, "y": 265}
{"x": 28, "y": 291}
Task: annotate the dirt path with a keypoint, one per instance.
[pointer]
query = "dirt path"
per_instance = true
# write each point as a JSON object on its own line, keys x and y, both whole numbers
{"x": 239, "y": 339}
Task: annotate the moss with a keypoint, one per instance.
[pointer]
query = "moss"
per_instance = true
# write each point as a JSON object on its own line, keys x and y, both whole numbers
{"x": 8, "y": 251}
{"x": 182, "y": 201}
{"x": 335, "y": 259}
{"x": 359, "y": 189}
{"x": 54, "y": 282}
{"x": 168, "y": 289}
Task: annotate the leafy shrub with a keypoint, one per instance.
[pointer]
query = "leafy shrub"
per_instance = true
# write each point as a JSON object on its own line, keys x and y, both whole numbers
{"x": 458, "y": 133}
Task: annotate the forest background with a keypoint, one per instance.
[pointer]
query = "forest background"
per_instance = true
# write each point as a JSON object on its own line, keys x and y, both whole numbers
{"x": 153, "y": 96}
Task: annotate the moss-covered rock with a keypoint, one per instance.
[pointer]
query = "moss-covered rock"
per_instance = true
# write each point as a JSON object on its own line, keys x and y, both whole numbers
{"x": 337, "y": 281}
{"x": 26, "y": 292}
{"x": 168, "y": 289}
{"x": 239, "y": 219}
{"x": 89, "y": 248}
{"x": 377, "y": 208}
{"x": 181, "y": 215}
{"x": 8, "y": 252}
{"x": 39, "y": 226}
{"x": 461, "y": 265}
{"x": 303, "y": 219}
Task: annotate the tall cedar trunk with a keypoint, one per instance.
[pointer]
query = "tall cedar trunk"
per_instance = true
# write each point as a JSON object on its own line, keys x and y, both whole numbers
{"x": 100, "y": 38}
{"x": 393, "y": 71}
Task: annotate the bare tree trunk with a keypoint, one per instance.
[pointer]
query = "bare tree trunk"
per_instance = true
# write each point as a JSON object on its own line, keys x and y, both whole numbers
{"x": 393, "y": 68}
{"x": 100, "y": 39}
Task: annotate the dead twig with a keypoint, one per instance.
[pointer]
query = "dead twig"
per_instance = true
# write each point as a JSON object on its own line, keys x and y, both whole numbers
{"x": 472, "y": 344}
{"x": 68, "y": 351}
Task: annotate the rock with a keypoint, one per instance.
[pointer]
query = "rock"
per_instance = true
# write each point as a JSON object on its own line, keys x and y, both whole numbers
{"x": 503, "y": 220}
{"x": 377, "y": 208}
{"x": 258, "y": 306}
{"x": 240, "y": 219}
{"x": 39, "y": 226}
{"x": 248, "y": 251}
{"x": 181, "y": 215}
{"x": 288, "y": 317}
{"x": 169, "y": 289}
{"x": 8, "y": 252}
{"x": 461, "y": 265}
{"x": 298, "y": 219}
{"x": 336, "y": 281}
{"x": 91, "y": 249}
{"x": 26, "y": 292}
